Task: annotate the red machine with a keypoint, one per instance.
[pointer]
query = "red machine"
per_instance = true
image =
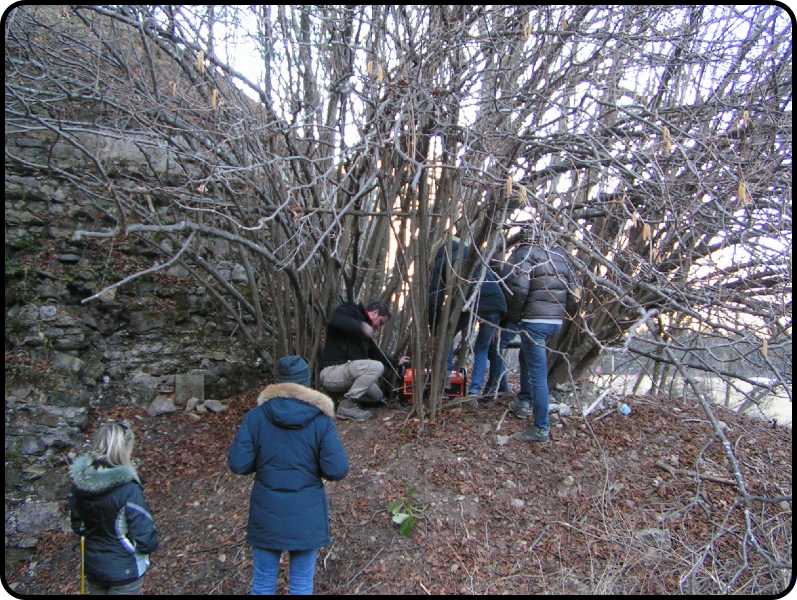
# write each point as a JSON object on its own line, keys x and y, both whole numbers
{"x": 457, "y": 384}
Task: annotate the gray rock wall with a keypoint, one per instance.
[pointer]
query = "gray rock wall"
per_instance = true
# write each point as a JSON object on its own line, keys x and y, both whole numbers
{"x": 64, "y": 357}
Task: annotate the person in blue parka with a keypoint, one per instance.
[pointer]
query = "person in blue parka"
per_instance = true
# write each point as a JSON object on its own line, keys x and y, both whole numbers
{"x": 289, "y": 441}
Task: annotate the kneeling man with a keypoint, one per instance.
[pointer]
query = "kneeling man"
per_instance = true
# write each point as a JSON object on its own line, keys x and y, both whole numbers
{"x": 351, "y": 362}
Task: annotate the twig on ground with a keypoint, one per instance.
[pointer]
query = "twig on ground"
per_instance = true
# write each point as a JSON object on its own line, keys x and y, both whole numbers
{"x": 599, "y": 417}
{"x": 501, "y": 421}
{"x": 360, "y": 572}
{"x": 672, "y": 471}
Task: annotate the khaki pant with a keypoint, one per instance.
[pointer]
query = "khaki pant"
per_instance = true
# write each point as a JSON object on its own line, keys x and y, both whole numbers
{"x": 358, "y": 378}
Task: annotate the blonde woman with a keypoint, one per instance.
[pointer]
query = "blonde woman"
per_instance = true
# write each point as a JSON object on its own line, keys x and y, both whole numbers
{"x": 107, "y": 507}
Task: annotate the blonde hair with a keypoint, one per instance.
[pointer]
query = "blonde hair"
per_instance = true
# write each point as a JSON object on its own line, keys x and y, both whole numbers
{"x": 114, "y": 443}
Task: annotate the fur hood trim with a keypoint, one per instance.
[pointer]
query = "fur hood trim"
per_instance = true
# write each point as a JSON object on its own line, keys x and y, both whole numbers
{"x": 298, "y": 392}
{"x": 90, "y": 478}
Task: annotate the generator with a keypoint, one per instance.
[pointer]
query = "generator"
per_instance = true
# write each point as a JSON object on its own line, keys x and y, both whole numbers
{"x": 456, "y": 387}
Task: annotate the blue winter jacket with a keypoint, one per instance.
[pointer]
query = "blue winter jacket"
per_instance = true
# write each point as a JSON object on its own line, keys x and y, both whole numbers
{"x": 289, "y": 441}
{"x": 107, "y": 506}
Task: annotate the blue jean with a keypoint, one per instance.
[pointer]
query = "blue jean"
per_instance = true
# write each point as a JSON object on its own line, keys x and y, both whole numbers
{"x": 534, "y": 368}
{"x": 462, "y": 326}
{"x": 497, "y": 379}
{"x": 265, "y": 569}
{"x": 480, "y": 347}
{"x": 481, "y": 350}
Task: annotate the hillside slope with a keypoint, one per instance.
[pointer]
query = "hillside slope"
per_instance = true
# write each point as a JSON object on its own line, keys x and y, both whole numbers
{"x": 611, "y": 505}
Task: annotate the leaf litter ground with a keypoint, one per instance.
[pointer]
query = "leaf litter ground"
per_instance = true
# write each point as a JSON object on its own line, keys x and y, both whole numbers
{"x": 610, "y": 505}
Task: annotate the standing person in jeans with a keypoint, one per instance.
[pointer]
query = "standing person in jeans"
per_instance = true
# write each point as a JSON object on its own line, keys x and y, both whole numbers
{"x": 498, "y": 379}
{"x": 289, "y": 441}
{"x": 490, "y": 308}
{"x": 351, "y": 362}
{"x": 107, "y": 507}
{"x": 543, "y": 287}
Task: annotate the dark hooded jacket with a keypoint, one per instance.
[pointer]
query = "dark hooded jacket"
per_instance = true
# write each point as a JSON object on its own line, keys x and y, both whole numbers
{"x": 491, "y": 298}
{"x": 346, "y": 341}
{"x": 542, "y": 284}
{"x": 289, "y": 441}
{"x": 107, "y": 506}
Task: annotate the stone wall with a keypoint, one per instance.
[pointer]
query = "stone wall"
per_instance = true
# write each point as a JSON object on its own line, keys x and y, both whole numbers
{"x": 64, "y": 357}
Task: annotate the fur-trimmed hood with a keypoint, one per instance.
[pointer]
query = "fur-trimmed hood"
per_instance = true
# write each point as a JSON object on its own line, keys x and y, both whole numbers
{"x": 94, "y": 479}
{"x": 298, "y": 392}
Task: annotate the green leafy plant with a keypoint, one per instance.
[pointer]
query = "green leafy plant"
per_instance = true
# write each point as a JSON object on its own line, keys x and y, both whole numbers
{"x": 405, "y": 512}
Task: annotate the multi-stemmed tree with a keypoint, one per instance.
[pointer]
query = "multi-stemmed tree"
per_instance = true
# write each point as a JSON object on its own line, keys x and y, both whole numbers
{"x": 335, "y": 148}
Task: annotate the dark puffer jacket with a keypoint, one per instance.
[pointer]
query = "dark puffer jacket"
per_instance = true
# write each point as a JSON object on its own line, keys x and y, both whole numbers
{"x": 107, "y": 506}
{"x": 542, "y": 283}
{"x": 290, "y": 443}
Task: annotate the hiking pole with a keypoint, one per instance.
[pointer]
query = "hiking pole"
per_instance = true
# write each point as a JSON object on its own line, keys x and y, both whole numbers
{"x": 82, "y": 566}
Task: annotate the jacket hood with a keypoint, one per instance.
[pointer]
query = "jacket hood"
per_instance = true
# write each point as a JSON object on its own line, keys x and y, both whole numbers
{"x": 292, "y": 406}
{"x": 92, "y": 478}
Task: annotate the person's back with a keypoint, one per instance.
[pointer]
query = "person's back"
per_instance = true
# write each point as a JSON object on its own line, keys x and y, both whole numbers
{"x": 490, "y": 297}
{"x": 345, "y": 338}
{"x": 543, "y": 287}
{"x": 289, "y": 441}
{"x": 108, "y": 508}
{"x": 541, "y": 283}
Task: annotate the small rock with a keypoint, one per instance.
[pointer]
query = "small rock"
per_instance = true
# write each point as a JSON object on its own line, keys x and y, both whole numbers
{"x": 67, "y": 362}
{"x": 22, "y": 392}
{"x": 518, "y": 503}
{"x": 502, "y": 440}
{"x": 191, "y": 403}
{"x": 108, "y": 297}
{"x": 31, "y": 445}
{"x": 161, "y": 406}
{"x": 569, "y": 481}
{"x": 214, "y": 406}
{"x": 47, "y": 313}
